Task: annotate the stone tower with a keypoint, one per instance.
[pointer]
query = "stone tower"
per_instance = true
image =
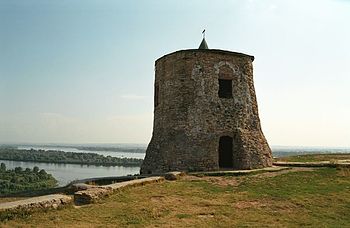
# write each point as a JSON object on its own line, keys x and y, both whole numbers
{"x": 205, "y": 113}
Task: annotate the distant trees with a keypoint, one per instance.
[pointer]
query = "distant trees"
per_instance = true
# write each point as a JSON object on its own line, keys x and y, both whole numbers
{"x": 53, "y": 156}
{"x": 36, "y": 169}
{"x": 42, "y": 172}
{"x": 111, "y": 149}
{"x": 2, "y": 167}
{"x": 19, "y": 180}
{"x": 18, "y": 169}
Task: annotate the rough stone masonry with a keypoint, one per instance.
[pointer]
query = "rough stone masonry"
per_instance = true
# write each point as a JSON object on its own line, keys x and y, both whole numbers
{"x": 206, "y": 114}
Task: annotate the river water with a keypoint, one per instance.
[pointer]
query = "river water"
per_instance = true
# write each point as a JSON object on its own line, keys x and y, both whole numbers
{"x": 65, "y": 173}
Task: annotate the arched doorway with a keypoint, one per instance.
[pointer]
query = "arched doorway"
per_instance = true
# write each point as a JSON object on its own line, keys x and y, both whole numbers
{"x": 225, "y": 152}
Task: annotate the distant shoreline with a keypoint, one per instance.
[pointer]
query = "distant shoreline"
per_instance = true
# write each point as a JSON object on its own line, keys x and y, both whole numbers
{"x": 128, "y": 149}
{"x": 112, "y": 149}
{"x": 61, "y": 157}
{"x": 277, "y": 150}
{"x": 76, "y": 163}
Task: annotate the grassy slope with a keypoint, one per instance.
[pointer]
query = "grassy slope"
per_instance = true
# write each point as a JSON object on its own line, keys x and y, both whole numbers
{"x": 318, "y": 198}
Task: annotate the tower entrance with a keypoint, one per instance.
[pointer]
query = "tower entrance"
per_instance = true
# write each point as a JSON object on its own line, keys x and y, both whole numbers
{"x": 225, "y": 152}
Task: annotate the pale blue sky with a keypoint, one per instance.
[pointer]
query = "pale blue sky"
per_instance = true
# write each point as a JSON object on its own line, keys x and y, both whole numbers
{"x": 81, "y": 71}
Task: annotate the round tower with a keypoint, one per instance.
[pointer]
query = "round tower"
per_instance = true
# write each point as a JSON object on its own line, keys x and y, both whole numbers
{"x": 205, "y": 114}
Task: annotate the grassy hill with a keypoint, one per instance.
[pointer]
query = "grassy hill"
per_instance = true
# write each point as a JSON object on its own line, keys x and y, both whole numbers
{"x": 318, "y": 197}
{"x": 316, "y": 157}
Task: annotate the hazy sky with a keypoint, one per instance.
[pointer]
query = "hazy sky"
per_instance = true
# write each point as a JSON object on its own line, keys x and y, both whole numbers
{"x": 81, "y": 71}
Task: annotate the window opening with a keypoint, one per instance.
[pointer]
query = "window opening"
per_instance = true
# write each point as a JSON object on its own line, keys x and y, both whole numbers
{"x": 225, "y": 88}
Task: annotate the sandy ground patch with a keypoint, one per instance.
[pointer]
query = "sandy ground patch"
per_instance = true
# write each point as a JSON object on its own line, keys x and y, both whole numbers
{"x": 235, "y": 180}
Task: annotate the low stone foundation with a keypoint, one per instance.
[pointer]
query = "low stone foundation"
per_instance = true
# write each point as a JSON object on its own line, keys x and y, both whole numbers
{"x": 173, "y": 175}
{"x": 13, "y": 209}
{"x": 93, "y": 193}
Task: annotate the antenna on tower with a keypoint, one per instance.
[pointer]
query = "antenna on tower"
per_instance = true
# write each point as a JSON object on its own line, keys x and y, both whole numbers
{"x": 203, "y": 33}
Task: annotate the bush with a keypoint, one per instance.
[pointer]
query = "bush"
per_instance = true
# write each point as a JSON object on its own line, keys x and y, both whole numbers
{"x": 13, "y": 181}
{"x": 2, "y": 167}
{"x": 36, "y": 169}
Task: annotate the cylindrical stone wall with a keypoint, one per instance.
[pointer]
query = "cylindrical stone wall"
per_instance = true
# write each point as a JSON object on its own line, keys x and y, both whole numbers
{"x": 190, "y": 117}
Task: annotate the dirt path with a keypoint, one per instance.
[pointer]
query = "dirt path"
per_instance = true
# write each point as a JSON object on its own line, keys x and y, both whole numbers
{"x": 236, "y": 180}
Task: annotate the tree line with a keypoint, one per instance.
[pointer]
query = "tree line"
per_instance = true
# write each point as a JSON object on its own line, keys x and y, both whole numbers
{"x": 56, "y": 156}
{"x": 111, "y": 149}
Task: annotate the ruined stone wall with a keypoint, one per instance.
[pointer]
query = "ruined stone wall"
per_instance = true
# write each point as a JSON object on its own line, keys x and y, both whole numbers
{"x": 190, "y": 118}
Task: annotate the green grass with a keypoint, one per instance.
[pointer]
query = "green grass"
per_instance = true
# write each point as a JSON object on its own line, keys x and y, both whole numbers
{"x": 315, "y": 157}
{"x": 320, "y": 182}
{"x": 316, "y": 198}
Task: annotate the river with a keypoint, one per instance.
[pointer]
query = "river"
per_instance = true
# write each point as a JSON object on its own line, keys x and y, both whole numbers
{"x": 65, "y": 173}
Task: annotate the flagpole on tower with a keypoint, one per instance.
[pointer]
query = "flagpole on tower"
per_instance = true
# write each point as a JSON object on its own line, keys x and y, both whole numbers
{"x": 204, "y": 44}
